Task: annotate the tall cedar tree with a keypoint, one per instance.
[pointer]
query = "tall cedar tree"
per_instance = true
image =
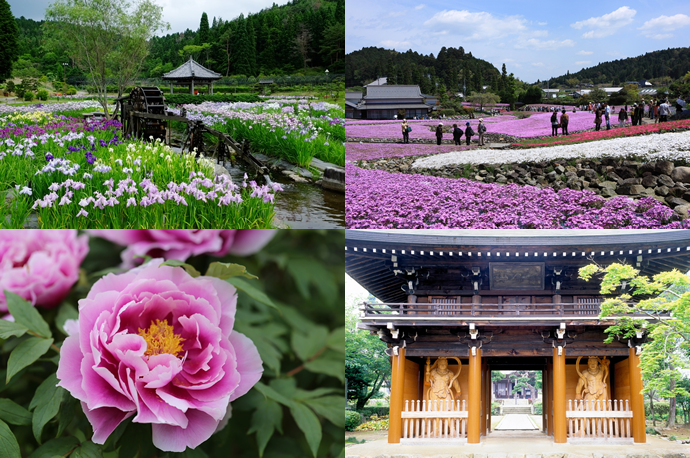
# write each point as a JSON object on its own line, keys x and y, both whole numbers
{"x": 203, "y": 35}
{"x": 8, "y": 40}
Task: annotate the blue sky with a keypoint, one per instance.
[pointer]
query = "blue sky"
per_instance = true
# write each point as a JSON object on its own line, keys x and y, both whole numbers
{"x": 535, "y": 39}
{"x": 180, "y": 14}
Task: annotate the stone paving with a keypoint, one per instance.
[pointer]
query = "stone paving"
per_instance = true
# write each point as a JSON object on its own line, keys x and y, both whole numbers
{"x": 516, "y": 421}
{"x": 520, "y": 445}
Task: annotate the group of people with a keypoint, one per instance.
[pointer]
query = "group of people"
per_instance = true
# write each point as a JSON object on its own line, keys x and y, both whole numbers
{"x": 562, "y": 123}
{"x": 457, "y": 132}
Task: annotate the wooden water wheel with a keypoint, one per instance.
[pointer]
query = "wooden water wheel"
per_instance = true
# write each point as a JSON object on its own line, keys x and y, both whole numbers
{"x": 147, "y": 100}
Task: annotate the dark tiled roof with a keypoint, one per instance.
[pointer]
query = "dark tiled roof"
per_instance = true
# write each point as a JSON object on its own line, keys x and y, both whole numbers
{"x": 192, "y": 69}
{"x": 393, "y": 106}
{"x": 394, "y": 92}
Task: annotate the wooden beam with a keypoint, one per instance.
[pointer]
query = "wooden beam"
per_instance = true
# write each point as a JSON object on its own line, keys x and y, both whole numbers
{"x": 560, "y": 426}
{"x": 475, "y": 398}
{"x": 396, "y": 401}
{"x": 637, "y": 398}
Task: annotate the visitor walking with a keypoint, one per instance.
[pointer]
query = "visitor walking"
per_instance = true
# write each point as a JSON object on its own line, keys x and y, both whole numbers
{"x": 607, "y": 115}
{"x": 656, "y": 111}
{"x": 406, "y": 131}
{"x": 468, "y": 133}
{"x": 633, "y": 114}
{"x": 481, "y": 128}
{"x": 597, "y": 119}
{"x": 640, "y": 113}
{"x": 457, "y": 134}
{"x": 622, "y": 117}
{"x": 554, "y": 124}
{"x": 564, "y": 122}
{"x": 664, "y": 111}
{"x": 439, "y": 133}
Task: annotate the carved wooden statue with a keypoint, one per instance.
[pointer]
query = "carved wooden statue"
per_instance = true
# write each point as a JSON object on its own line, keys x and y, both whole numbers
{"x": 592, "y": 383}
{"x": 441, "y": 380}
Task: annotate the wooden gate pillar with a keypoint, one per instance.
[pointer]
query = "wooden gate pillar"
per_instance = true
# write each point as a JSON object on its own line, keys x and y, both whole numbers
{"x": 560, "y": 431}
{"x": 474, "y": 394}
{"x": 636, "y": 398}
{"x": 396, "y": 402}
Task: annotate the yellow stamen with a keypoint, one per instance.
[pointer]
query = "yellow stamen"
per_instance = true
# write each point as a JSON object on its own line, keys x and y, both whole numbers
{"x": 160, "y": 339}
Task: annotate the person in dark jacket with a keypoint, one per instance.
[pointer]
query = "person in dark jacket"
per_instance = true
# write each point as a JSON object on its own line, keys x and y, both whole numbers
{"x": 468, "y": 133}
{"x": 554, "y": 124}
{"x": 439, "y": 133}
{"x": 405, "y": 131}
{"x": 457, "y": 134}
{"x": 597, "y": 119}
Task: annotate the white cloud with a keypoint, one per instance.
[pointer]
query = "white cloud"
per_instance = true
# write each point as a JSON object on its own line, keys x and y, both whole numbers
{"x": 542, "y": 23}
{"x": 583, "y": 62}
{"x": 606, "y": 25}
{"x": 585, "y": 53}
{"x": 419, "y": 7}
{"x": 539, "y": 33}
{"x": 537, "y": 64}
{"x": 652, "y": 27}
{"x": 542, "y": 45}
{"x": 392, "y": 44}
{"x": 476, "y": 26}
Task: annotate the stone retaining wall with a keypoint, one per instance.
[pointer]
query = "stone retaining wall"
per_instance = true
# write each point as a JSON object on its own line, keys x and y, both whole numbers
{"x": 665, "y": 181}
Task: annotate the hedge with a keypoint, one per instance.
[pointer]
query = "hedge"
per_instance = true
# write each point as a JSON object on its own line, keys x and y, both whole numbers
{"x": 352, "y": 420}
{"x": 369, "y": 411}
{"x": 661, "y": 409}
{"x": 186, "y": 99}
{"x": 538, "y": 408}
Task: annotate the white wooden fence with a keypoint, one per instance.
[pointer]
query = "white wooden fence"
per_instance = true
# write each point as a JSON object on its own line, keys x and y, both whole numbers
{"x": 599, "y": 419}
{"x": 434, "y": 420}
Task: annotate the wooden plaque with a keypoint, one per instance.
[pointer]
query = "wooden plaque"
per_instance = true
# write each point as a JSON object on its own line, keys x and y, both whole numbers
{"x": 516, "y": 276}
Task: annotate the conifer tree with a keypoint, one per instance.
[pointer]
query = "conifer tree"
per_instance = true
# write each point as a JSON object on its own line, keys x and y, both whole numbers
{"x": 8, "y": 40}
{"x": 203, "y": 36}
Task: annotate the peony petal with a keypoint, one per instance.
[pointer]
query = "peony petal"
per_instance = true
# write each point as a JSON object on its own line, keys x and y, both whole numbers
{"x": 104, "y": 421}
{"x": 69, "y": 367}
{"x": 249, "y": 363}
{"x": 175, "y": 439}
{"x": 249, "y": 241}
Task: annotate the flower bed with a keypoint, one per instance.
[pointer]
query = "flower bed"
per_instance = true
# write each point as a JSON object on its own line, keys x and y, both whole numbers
{"x": 368, "y": 151}
{"x": 672, "y": 146}
{"x": 378, "y": 199}
{"x": 297, "y": 130}
{"x": 83, "y": 175}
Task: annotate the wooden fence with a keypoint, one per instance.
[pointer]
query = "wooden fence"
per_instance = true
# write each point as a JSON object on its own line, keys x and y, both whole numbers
{"x": 599, "y": 419}
{"x": 434, "y": 420}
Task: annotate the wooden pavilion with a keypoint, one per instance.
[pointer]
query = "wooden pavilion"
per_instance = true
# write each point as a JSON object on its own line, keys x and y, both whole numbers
{"x": 191, "y": 73}
{"x": 458, "y": 304}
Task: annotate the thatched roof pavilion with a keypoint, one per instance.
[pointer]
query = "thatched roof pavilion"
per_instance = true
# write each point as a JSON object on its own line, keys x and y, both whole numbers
{"x": 192, "y": 72}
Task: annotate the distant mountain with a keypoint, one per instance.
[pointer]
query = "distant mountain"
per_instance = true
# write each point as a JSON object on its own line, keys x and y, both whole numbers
{"x": 672, "y": 63}
{"x": 453, "y": 67}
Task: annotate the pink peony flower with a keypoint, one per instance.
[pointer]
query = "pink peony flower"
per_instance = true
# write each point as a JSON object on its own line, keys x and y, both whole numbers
{"x": 158, "y": 344}
{"x": 180, "y": 244}
{"x": 40, "y": 266}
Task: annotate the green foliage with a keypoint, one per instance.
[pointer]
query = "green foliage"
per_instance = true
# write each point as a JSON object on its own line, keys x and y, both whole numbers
{"x": 29, "y": 96}
{"x": 293, "y": 315}
{"x": 650, "y": 430}
{"x": 370, "y": 411}
{"x": 185, "y": 99}
{"x": 42, "y": 94}
{"x": 538, "y": 408}
{"x": 483, "y": 99}
{"x": 495, "y": 408}
{"x": 661, "y": 409}
{"x": 10, "y": 86}
{"x": 668, "y": 331}
{"x": 374, "y": 424}
{"x": 8, "y": 40}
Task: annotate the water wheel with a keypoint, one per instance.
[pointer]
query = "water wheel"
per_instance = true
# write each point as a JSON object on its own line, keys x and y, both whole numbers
{"x": 148, "y": 100}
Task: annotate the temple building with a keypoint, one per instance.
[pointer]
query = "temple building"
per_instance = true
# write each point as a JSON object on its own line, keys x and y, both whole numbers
{"x": 458, "y": 304}
{"x": 192, "y": 74}
{"x": 388, "y": 102}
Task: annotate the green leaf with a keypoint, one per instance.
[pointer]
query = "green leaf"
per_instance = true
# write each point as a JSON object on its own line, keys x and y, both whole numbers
{"x": 336, "y": 340}
{"x": 309, "y": 424}
{"x": 251, "y": 290}
{"x": 66, "y": 414}
{"x": 65, "y": 312}
{"x": 25, "y": 354}
{"x": 175, "y": 263}
{"x": 60, "y": 447}
{"x": 303, "y": 394}
{"x": 9, "y": 448}
{"x": 13, "y": 413}
{"x": 46, "y": 402}
{"x": 10, "y": 328}
{"x": 87, "y": 450}
{"x": 273, "y": 394}
{"x": 329, "y": 363}
{"x": 189, "y": 453}
{"x": 224, "y": 270}
{"x": 25, "y": 314}
{"x": 265, "y": 420}
{"x": 307, "y": 344}
{"x": 329, "y": 407}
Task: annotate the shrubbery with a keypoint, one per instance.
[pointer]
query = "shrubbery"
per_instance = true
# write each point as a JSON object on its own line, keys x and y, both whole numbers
{"x": 29, "y": 96}
{"x": 372, "y": 410}
{"x": 352, "y": 420}
{"x": 184, "y": 99}
{"x": 42, "y": 94}
{"x": 538, "y": 408}
{"x": 495, "y": 408}
{"x": 661, "y": 409}
{"x": 376, "y": 424}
